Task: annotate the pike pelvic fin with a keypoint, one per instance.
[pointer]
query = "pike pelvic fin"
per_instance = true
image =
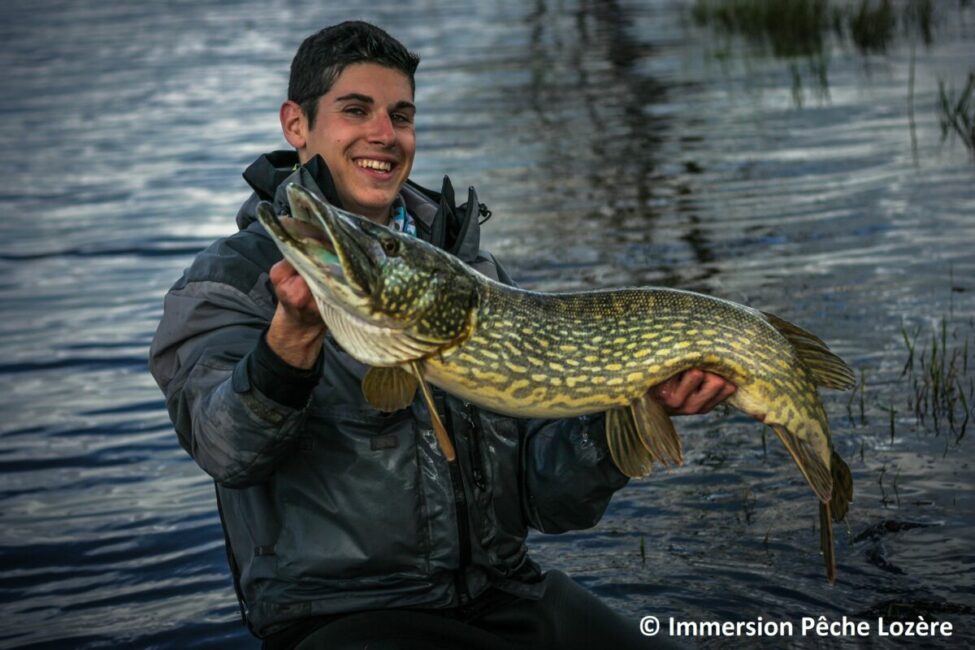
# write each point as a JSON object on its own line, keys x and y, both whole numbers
{"x": 641, "y": 434}
{"x": 443, "y": 439}
{"x": 827, "y": 369}
{"x": 389, "y": 389}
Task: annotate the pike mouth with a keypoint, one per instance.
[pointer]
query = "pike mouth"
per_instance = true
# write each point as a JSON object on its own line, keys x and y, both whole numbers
{"x": 307, "y": 243}
{"x": 334, "y": 239}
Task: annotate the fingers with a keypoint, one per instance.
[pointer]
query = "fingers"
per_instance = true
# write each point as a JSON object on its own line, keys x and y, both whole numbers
{"x": 291, "y": 289}
{"x": 692, "y": 392}
{"x": 281, "y": 272}
{"x": 719, "y": 390}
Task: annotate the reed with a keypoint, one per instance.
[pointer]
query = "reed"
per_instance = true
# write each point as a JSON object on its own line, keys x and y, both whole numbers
{"x": 957, "y": 112}
{"x": 942, "y": 392}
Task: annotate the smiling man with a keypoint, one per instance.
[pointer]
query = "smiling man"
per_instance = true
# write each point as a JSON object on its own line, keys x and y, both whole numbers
{"x": 345, "y": 526}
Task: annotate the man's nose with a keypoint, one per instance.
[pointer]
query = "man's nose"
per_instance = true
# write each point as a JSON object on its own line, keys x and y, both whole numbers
{"x": 382, "y": 130}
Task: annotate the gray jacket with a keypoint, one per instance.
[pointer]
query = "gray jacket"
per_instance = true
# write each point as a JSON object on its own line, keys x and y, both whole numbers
{"x": 333, "y": 506}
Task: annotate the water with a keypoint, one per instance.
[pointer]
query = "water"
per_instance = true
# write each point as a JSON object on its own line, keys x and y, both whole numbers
{"x": 616, "y": 144}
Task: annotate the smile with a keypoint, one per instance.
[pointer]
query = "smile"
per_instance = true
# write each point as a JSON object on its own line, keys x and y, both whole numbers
{"x": 378, "y": 165}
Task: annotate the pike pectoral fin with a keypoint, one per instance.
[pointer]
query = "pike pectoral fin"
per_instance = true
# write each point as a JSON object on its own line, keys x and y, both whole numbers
{"x": 443, "y": 439}
{"x": 640, "y": 434}
{"x": 389, "y": 389}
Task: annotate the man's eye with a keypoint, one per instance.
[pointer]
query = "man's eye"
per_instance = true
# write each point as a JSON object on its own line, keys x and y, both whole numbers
{"x": 354, "y": 110}
{"x": 402, "y": 118}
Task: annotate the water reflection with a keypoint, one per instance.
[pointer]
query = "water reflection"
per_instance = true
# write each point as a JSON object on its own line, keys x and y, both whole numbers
{"x": 593, "y": 119}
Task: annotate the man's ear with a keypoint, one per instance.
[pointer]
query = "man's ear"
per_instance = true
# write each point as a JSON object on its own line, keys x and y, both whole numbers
{"x": 294, "y": 124}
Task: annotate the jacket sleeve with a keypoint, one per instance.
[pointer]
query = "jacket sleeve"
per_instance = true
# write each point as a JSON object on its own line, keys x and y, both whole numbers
{"x": 211, "y": 328}
{"x": 569, "y": 476}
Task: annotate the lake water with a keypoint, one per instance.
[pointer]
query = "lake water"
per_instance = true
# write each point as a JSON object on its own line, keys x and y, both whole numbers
{"x": 617, "y": 143}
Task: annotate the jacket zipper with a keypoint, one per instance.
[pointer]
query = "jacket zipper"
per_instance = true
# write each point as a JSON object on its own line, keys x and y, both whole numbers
{"x": 460, "y": 507}
{"x": 474, "y": 449}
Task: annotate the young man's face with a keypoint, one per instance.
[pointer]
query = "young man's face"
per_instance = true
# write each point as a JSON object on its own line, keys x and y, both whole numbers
{"x": 364, "y": 131}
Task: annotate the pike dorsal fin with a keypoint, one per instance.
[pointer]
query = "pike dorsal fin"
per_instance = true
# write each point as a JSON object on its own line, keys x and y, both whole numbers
{"x": 389, "y": 389}
{"x": 639, "y": 435}
{"x": 827, "y": 369}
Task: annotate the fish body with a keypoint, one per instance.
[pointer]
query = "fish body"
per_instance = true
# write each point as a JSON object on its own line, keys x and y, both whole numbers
{"x": 417, "y": 314}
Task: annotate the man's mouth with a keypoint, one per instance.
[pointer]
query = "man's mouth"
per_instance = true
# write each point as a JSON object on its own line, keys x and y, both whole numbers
{"x": 372, "y": 163}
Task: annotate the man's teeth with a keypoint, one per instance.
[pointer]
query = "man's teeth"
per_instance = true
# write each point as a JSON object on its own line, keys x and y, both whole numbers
{"x": 374, "y": 164}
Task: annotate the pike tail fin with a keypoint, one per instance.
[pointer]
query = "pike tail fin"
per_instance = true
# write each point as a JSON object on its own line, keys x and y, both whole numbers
{"x": 810, "y": 463}
{"x": 826, "y": 541}
{"x": 842, "y": 487}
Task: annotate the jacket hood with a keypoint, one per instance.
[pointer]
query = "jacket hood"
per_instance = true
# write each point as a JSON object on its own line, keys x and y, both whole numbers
{"x": 439, "y": 220}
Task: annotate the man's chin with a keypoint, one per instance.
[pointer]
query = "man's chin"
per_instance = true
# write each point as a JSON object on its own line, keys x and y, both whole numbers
{"x": 373, "y": 207}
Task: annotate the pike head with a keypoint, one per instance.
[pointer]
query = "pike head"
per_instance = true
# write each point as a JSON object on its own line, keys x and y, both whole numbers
{"x": 388, "y": 298}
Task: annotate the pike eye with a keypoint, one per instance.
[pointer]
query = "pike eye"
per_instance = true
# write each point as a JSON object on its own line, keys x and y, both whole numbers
{"x": 390, "y": 246}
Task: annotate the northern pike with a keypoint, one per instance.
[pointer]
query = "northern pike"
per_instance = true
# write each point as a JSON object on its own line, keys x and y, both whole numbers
{"x": 417, "y": 314}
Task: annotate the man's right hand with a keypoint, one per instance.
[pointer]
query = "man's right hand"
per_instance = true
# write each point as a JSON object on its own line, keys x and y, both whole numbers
{"x": 297, "y": 329}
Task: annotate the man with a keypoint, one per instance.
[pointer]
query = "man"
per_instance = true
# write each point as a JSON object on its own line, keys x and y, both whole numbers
{"x": 345, "y": 525}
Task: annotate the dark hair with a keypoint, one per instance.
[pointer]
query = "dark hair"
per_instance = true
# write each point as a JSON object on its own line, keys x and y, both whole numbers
{"x": 323, "y": 56}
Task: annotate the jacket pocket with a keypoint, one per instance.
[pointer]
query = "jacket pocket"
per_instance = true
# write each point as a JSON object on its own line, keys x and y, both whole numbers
{"x": 349, "y": 499}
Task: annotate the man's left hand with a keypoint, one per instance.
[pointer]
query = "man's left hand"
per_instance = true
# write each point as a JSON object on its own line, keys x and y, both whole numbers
{"x": 692, "y": 392}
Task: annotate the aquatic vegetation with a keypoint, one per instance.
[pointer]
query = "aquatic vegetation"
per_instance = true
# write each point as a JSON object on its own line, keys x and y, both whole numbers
{"x": 957, "y": 113}
{"x": 937, "y": 382}
{"x": 942, "y": 389}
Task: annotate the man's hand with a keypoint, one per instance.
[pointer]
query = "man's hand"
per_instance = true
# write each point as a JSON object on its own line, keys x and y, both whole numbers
{"x": 692, "y": 392}
{"x": 297, "y": 329}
